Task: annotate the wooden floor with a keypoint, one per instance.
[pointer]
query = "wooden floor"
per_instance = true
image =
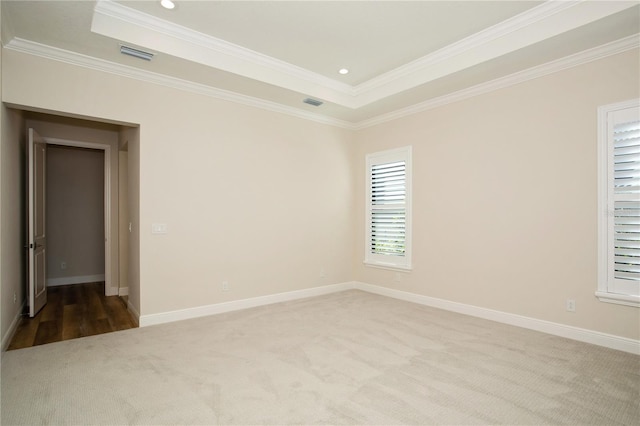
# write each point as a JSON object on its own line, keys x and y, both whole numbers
{"x": 73, "y": 311}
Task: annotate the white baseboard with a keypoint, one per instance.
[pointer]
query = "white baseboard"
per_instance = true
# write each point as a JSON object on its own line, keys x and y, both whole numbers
{"x": 78, "y": 279}
{"x": 218, "y": 308}
{"x": 556, "y": 329}
{"x": 6, "y": 339}
{"x": 123, "y": 291}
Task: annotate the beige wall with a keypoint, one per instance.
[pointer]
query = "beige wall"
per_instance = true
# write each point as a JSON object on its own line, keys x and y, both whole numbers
{"x": 12, "y": 222}
{"x": 505, "y": 197}
{"x": 257, "y": 198}
{"x": 131, "y": 138}
{"x": 75, "y": 215}
{"x": 12, "y": 214}
{"x": 504, "y": 187}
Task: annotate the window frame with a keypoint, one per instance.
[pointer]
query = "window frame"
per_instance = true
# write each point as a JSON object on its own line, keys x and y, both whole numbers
{"x": 401, "y": 263}
{"x": 607, "y": 290}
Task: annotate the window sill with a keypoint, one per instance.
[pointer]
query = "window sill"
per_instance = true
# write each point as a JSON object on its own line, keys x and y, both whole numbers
{"x": 388, "y": 266}
{"x": 618, "y": 299}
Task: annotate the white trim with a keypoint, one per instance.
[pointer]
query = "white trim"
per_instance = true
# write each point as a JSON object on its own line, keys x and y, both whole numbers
{"x": 556, "y": 329}
{"x": 534, "y": 25}
{"x": 618, "y": 299}
{"x": 123, "y": 291}
{"x": 384, "y": 157}
{"x": 504, "y": 28}
{"x": 109, "y": 288}
{"x": 77, "y": 59}
{"x": 77, "y": 279}
{"x": 388, "y": 266}
{"x": 607, "y": 291}
{"x": 30, "y": 232}
{"x": 11, "y": 331}
{"x": 603, "y": 204}
{"x": 117, "y": 21}
{"x": 505, "y": 37}
{"x": 218, "y": 308}
{"x": 577, "y": 59}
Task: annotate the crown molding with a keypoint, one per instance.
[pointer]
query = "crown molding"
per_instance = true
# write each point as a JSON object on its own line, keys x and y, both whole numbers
{"x": 77, "y": 59}
{"x": 539, "y": 23}
{"x": 48, "y": 52}
{"x": 547, "y": 20}
{"x": 123, "y": 23}
{"x": 476, "y": 40}
{"x": 600, "y": 52}
{"x": 119, "y": 11}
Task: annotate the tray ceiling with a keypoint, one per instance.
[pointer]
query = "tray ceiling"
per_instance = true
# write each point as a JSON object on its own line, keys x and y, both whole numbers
{"x": 400, "y": 54}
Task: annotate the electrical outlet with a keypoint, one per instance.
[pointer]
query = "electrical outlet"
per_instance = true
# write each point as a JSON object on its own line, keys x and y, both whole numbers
{"x": 15, "y": 298}
{"x": 63, "y": 265}
{"x": 397, "y": 277}
{"x": 225, "y": 285}
{"x": 322, "y": 273}
{"x": 571, "y": 305}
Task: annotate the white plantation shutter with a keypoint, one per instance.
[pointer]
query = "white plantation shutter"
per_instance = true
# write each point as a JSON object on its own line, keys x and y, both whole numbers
{"x": 626, "y": 200}
{"x": 388, "y": 196}
{"x": 388, "y": 209}
{"x": 619, "y": 201}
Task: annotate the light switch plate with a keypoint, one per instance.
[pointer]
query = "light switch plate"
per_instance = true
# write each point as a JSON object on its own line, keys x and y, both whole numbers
{"x": 159, "y": 228}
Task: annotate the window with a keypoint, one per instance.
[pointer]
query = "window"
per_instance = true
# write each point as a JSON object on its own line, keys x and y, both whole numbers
{"x": 388, "y": 221}
{"x": 619, "y": 203}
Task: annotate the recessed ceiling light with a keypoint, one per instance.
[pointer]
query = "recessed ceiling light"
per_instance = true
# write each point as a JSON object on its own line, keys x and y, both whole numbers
{"x": 168, "y": 4}
{"x": 343, "y": 71}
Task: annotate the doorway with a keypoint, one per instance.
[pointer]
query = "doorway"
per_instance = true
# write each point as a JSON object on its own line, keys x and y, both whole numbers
{"x": 78, "y": 214}
{"x": 90, "y": 303}
{"x": 75, "y": 215}
{"x": 124, "y": 141}
{"x": 80, "y": 139}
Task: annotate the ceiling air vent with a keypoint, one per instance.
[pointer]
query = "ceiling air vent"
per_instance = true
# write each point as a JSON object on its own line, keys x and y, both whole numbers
{"x": 313, "y": 102}
{"x": 147, "y": 56}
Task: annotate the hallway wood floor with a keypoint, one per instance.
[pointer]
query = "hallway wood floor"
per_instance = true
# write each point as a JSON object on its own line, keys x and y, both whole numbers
{"x": 73, "y": 311}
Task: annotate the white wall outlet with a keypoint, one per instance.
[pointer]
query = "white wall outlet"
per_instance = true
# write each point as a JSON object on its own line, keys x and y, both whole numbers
{"x": 571, "y": 305}
{"x": 15, "y": 298}
{"x": 397, "y": 277}
{"x": 63, "y": 265}
{"x": 322, "y": 273}
{"x": 225, "y": 285}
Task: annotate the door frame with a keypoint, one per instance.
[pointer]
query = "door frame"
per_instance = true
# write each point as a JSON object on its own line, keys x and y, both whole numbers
{"x": 108, "y": 289}
{"x": 36, "y": 202}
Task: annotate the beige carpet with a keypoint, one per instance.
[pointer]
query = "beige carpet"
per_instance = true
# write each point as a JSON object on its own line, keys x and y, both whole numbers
{"x": 345, "y": 358}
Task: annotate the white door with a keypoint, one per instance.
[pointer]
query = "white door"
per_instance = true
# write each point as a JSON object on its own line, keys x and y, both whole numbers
{"x": 37, "y": 243}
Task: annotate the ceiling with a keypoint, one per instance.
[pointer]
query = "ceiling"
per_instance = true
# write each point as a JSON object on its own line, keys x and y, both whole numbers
{"x": 401, "y": 54}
